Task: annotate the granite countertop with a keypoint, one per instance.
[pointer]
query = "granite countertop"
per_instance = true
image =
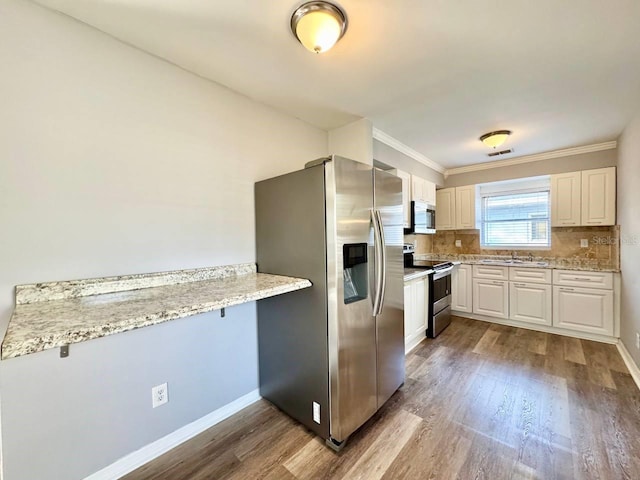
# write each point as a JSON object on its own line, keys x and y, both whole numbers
{"x": 51, "y": 315}
{"x": 551, "y": 262}
{"x": 413, "y": 273}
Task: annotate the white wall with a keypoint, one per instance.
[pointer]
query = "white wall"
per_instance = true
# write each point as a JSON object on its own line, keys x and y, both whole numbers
{"x": 571, "y": 163}
{"x": 354, "y": 141}
{"x": 390, "y": 156}
{"x": 628, "y": 179}
{"x": 114, "y": 162}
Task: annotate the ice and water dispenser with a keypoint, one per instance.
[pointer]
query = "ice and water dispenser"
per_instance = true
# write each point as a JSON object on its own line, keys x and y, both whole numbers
{"x": 355, "y": 273}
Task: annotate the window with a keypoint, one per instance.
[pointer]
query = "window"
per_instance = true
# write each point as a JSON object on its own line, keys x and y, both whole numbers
{"x": 516, "y": 218}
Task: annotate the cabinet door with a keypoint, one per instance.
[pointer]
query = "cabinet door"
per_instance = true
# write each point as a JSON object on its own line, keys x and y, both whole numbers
{"x": 406, "y": 196}
{"x": 446, "y": 209}
{"x": 416, "y": 314}
{"x": 465, "y": 207}
{"x": 530, "y": 302}
{"x": 429, "y": 191}
{"x": 417, "y": 189}
{"x": 491, "y": 298}
{"x": 583, "y": 309}
{"x": 599, "y": 196}
{"x": 462, "y": 287}
{"x": 566, "y": 199}
{"x": 409, "y": 309}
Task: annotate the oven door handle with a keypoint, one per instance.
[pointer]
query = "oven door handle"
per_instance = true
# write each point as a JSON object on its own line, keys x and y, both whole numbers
{"x": 442, "y": 273}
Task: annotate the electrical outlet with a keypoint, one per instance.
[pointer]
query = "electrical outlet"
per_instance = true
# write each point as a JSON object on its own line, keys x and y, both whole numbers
{"x": 316, "y": 412}
{"x": 159, "y": 395}
{"x": 584, "y": 243}
{"x": 638, "y": 340}
{"x": 458, "y": 243}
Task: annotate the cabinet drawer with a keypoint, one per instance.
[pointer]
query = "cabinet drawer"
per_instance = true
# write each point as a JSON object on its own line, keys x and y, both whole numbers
{"x": 491, "y": 272}
{"x": 577, "y": 278}
{"x": 530, "y": 275}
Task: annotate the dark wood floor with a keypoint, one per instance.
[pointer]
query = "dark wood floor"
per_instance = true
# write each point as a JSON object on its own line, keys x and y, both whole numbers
{"x": 482, "y": 401}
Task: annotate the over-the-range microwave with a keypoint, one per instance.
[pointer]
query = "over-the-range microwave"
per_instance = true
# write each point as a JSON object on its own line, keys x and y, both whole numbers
{"x": 423, "y": 218}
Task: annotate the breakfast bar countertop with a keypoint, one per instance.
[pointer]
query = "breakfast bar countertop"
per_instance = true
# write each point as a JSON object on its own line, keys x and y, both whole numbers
{"x": 55, "y": 314}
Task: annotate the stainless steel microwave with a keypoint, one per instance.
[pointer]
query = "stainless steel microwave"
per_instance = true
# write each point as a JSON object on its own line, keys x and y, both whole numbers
{"x": 423, "y": 217}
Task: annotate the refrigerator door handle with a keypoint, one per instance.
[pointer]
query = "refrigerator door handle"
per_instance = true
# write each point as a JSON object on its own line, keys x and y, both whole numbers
{"x": 378, "y": 265}
{"x": 383, "y": 262}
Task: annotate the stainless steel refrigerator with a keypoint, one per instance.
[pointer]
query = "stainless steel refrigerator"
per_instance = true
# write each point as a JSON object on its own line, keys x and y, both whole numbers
{"x": 331, "y": 355}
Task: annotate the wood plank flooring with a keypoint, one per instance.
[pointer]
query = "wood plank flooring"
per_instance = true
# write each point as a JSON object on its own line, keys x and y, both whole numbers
{"x": 481, "y": 401}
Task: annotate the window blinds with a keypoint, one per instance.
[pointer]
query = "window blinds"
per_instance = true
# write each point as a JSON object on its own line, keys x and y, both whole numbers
{"x": 517, "y": 219}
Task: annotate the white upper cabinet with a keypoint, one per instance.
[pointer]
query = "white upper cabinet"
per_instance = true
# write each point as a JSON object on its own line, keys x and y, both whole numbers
{"x": 446, "y": 209}
{"x": 456, "y": 208}
{"x": 599, "y": 196}
{"x": 566, "y": 199}
{"x": 406, "y": 195}
{"x": 423, "y": 190}
{"x": 585, "y": 198}
{"x": 465, "y": 207}
{"x": 430, "y": 192}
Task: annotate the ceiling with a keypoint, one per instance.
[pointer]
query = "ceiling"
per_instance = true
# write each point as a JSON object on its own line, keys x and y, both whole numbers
{"x": 433, "y": 74}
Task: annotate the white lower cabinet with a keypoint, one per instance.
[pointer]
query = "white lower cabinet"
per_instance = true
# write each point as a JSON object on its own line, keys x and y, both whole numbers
{"x": 462, "y": 289}
{"x": 530, "y": 302}
{"x": 491, "y": 297}
{"x": 581, "y": 301}
{"x": 583, "y": 309}
{"x": 416, "y": 294}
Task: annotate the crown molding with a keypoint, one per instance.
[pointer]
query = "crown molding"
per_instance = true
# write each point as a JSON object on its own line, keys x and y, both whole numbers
{"x": 408, "y": 151}
{"x": 566, "y": 152}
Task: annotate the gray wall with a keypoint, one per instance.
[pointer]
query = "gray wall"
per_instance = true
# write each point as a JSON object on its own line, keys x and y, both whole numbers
{"x": 392, "y": 157}
{"x": 114, "y": 162}
{"x": 628, "y": 179}
{"x": 572, "y": 163}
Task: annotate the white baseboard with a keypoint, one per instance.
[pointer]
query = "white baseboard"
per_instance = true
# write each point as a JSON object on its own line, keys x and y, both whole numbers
{"x": 153, "y": 450}
{"x": 628, "y": 361}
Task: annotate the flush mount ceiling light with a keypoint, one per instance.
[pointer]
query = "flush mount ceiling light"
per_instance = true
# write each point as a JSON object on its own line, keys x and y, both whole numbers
{"x": 495, "y": 139}
{"x": 318, "y": 25}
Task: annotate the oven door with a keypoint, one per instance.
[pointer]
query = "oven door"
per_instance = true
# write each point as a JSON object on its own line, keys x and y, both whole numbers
{"x": 441, "y": 291}
{"x": 423, "y": 217}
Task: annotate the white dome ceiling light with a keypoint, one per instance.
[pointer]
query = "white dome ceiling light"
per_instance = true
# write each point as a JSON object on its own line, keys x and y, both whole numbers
{"x": 495, "y": 139}
{"x": 318, "y": 25}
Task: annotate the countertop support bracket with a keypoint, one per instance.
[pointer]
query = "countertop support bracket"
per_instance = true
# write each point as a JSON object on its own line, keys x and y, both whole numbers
{"x": 222, "y": 313}
{"x": 64, "y": 351}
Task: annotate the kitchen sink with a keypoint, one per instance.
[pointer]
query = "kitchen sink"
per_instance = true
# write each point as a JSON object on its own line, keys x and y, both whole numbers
{"x": 519, "y": 263}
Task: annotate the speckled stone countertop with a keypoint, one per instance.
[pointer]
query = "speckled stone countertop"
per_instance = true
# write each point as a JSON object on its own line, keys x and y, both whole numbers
{"x": 50, "y": 315}
{"x": 552, "y": 262}
{"x": 413, "y": 273}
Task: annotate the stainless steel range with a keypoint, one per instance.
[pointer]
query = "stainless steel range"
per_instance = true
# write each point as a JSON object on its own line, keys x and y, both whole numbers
{"x": 439, "y": 290}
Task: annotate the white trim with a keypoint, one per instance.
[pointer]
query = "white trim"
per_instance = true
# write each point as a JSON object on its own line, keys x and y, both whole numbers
{"x": 538, "y": 327}
{"x": 628, "y": 361}
{"x": 153, "y": 450}
{"x": 408, "y": 151}
{"x": 532, "y": 158}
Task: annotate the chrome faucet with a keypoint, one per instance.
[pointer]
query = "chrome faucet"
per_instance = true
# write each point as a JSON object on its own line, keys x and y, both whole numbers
{"x": 514, "y": 255}
{"x": 530, "y": 258}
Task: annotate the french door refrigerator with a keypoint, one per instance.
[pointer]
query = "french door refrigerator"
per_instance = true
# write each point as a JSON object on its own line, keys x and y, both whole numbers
{"x": 331, "y": 355}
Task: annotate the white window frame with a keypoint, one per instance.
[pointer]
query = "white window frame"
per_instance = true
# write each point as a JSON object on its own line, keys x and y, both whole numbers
{"x": 499, "y": 193}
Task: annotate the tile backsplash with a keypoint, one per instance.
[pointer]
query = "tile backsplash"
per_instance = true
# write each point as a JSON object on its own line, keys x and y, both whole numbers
{"x": 604, "y": 244}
